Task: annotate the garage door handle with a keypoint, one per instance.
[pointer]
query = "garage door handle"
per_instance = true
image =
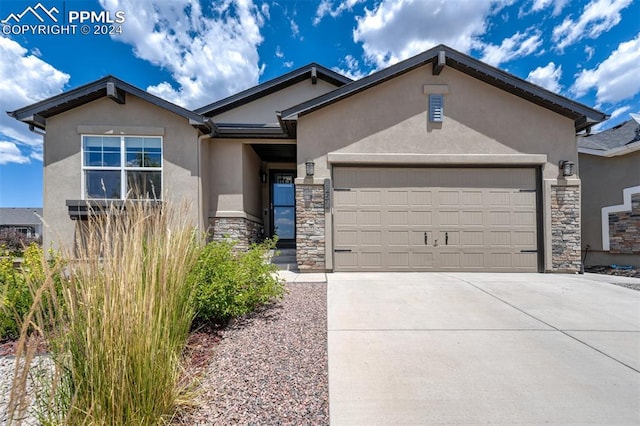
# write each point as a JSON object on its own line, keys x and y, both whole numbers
{"x": 426, "y": 239}
{"x": 342, "y": 250}
{"x": 528, "y": 251}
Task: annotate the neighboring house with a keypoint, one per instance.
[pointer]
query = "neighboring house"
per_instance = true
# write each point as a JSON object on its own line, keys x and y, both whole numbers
{"x": 26, "y": 221}
{"x": 610, "y": 173}
{"x": 437, "y": 163}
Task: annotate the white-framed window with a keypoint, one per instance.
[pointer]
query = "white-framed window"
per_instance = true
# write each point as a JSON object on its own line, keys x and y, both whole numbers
{"x": 118, "y": 167}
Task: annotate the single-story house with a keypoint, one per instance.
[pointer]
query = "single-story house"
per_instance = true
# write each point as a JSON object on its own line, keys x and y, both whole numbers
{"x": 437, "y": 163}
{"x": 24, "y": 220}
{"x": 610, "y": 174}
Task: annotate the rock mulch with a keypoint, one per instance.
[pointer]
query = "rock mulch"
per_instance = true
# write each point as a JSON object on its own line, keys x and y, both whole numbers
{"x": 270, "y": 367}
{"x": 608, "y": 270}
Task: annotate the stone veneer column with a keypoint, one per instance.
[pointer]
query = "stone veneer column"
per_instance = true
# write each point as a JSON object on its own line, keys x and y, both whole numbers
{"x": 239, "y": 229}
{"x": 624, "y": 229}
{"x": 310, "y": 227}
{"x": 565, "y": 228}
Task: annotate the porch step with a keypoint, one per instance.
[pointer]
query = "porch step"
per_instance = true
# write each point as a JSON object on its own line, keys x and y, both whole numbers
{"x": 286, "y": 260}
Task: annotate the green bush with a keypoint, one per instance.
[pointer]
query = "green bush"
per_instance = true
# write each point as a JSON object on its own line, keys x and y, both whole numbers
{"x": 15, "y": 297}
{"x": 231, "y": 283}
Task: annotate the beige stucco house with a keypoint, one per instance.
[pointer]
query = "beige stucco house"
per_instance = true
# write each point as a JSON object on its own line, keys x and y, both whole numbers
{"x": 437, "y": 163}
{"x": 610, "y": 174}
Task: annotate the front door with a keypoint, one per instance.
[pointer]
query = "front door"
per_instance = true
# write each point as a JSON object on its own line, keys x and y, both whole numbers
{"x": 283, "y": 208}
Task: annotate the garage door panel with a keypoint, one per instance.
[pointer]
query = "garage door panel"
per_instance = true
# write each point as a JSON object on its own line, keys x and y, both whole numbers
{"x": 370, "y": 259}
{"x": 369, "y": 217}
{"x": 499, "y": 198}
{"x": 422, "y": 261}
{"x": 524, "y": 199}
{"x": 499, "y": 238}
{"x": 397, "y": 217}
{"x": 369, "y": 198}
{"x": 500, "y": 218}
{"x": 420, "y": 218}
{"x": 472, "y": 238}
{"x": 473, "y": 219}
{"x": 370, "y": 238}
{"x": 420, "y": 198}
{"x": 525, "y": 239}
{"x": 526, "y": 218}
{"x": 398, "y": 238}
{"x": 449, "y": 198}
{"x": 471, "y": 198}
{"x": 346, "y": 217}
{"x": 398, "y": 260}
{"x": 449, "y": 217}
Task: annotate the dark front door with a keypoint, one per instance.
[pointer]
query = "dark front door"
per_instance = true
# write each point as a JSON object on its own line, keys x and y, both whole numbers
{"x": 283, "y": 208}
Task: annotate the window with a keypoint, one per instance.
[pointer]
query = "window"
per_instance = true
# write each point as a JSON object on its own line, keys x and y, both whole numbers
{"x": 117, "y": 167}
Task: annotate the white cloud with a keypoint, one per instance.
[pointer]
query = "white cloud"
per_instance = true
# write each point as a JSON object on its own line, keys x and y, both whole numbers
{"x": 558, "y": 5}
{"x": 209, "y": 53}
{"x": 547, "y": 77}
{"x": 287, "y": 64}
{"x": 24, "y": 79}
{"x": 279, "y": 53}
{"x": 350, "y": 68}
{"x": 398, "y": 29}
{"x": 518, "y": 45}
{"x": 613, "y": 116}
{"x": 295, "y": 29}
{"x": 597, "y": 17}
{"x": 265, "y": 10}
{"x": 589, "y": 51}
{"x": 615, "y": 78}
{"x": 10, "y": 153}
{"x": 326, "y": 7}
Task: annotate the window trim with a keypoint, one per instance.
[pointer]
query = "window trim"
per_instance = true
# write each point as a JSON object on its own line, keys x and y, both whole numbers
{"x": 123, "y": 168}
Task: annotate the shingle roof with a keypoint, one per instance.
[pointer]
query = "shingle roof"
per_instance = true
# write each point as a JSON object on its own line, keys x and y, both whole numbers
{"x": 20, "y": 216}
{"x": 615, "y": 137}
{"x": 311, "y": 70}
{"x": 583, "y": 116}
{"x": 36, "y": 114}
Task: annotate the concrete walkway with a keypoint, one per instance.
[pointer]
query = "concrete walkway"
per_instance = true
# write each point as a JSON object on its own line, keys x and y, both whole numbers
{"x": 470, "y": 348}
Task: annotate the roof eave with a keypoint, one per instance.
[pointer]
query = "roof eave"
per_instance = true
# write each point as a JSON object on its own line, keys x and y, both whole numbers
{"x": 36, "y": 114}
{"x": 583, "y": 116}
{"x": 307, "y": 72}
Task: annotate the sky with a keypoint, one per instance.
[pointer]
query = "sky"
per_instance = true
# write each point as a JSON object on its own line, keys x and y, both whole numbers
{"x": 194, "y": 52}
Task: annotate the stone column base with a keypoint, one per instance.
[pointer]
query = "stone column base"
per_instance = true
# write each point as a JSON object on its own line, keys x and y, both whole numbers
{"x": 565, "y": 228}
{"x": 310, "y": 228}
{"x": 242, "y": 230}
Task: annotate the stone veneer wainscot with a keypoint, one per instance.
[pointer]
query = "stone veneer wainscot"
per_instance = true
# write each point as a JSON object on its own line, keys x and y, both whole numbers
{"x": 239, "y": 229}
{"x": 624, "y": 229}
{"x": 565, "y": 228}
{"x": 310, "y": 228}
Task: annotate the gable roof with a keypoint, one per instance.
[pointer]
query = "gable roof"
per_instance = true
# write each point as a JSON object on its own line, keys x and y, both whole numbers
{"x": 36, "y": 114}
{"x": 441, "y": 55}
{"x": 618, "y": 140}
{"x": 312, "y": 71}
{"x": 20, "y": 216}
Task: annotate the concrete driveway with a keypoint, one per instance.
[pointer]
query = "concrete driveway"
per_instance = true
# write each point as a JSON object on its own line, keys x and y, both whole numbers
{"x": 470, "y": 348}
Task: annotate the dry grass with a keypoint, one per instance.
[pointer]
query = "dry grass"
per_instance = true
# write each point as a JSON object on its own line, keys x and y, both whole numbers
{"x": 116, "y": 315}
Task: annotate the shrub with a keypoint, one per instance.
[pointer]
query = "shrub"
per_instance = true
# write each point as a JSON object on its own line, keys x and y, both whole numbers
{"x": 231, "y": 283}
{"x": 16, "y": 241}
{"x": 117, "y": 327}
{"x": 15, "y": 296}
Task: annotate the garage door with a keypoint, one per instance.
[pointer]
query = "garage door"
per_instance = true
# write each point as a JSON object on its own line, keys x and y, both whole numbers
{"x": 437, "y": 219}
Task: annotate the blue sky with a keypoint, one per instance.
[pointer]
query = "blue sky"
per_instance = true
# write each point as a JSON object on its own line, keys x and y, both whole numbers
{"x": 195, "y": 52}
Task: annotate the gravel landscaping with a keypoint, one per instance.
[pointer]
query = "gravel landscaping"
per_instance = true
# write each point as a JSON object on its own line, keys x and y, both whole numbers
{"x": 270, "y": 367}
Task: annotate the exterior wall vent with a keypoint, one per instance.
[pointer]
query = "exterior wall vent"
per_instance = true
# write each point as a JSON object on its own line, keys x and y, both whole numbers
{"x": 436, "y": 108}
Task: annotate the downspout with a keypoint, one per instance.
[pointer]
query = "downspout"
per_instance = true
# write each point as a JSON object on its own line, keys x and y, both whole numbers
{"x": 36, "y": 131}
{"x": 201, "y": 138}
